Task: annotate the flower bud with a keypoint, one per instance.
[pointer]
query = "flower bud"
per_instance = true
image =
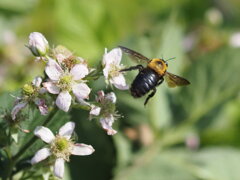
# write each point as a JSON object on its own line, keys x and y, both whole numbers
{"x": 38, "y": 44}
{"x": 28, "y": 89}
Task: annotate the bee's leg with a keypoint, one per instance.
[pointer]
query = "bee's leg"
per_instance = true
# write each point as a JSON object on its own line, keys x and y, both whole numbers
{"x": 150, "y": 96}
{"x": 139, "y": 67}
{"x": 160, "y": 81}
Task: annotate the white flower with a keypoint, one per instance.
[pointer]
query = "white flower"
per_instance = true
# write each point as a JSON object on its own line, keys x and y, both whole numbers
{"x": 63, "y": 82}
{"x": 234, "y": 40}
{"x": 111, "y": 67}
{"x": 38, "y": 44}
{"x": 106, "y": 111}
{"x": 61, "y": 147}
{"x": 31, "y": 93}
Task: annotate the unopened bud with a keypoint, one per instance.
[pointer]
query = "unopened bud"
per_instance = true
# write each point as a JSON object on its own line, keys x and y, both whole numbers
{"x": 38, "y": 44}
{"x": 28, "y": 89}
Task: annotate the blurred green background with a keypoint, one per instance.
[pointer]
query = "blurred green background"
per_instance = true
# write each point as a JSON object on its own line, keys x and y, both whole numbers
{"x": 188, "y": 133}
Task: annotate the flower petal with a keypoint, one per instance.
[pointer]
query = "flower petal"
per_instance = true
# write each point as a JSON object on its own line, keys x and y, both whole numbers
{"x": 79, "y": 71}
{"x": 82, "y": 149}
{"x": 106, "y": 71}
{"x": 81, "y": 91}
{"x": 51, "y": 87}
{"x": 40, "y": 155}
{"x": 67, "y": 129}
{"x": 111, "y": 97}
{"x": 53, "y": 70}
{"x": 37, "y": 81}
{"x": 44, "y": 133}
{"x": 119, "y": 82}
{"x": 112, "y": 57}
{"x": 59, "y": 168}
{"x": 95, "y": 110}
{"x": 101, "y": 96}
{"x": 19, "y": 106}
{"x": 41, "y": 106}
{"x": 106, "y": 123}
{"x": 63, "y": 101}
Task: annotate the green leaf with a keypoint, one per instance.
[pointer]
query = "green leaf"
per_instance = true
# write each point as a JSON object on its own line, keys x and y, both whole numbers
{"x": 155, "y": 164}
{"x": 218, "y": 163}
{"x": 212, "y": 84}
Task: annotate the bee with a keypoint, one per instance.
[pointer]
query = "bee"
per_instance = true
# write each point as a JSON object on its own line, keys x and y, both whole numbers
{"x": 151, "y": 76}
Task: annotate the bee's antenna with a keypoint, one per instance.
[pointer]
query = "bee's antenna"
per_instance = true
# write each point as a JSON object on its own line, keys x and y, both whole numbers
{"x": 162, "y": 56}
{"x": 170, "y": 59}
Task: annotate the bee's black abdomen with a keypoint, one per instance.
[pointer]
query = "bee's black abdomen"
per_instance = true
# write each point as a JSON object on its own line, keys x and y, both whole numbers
{"x": 145, "y": 81}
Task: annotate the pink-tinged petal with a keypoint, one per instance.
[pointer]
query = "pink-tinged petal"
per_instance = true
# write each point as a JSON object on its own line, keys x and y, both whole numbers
{"x": 100, "y": 96}
{"x": 79, "y": 71}
{"x": 81, "y": 91}
{"x": 59, "y": 168}
{"x": 63, "y": 101}
{"x": 40, "y": 155}
{"x": 19, "y": 106}
{"x": 44, "y": 133}
{"x": 111, "y": 97}
{"x": 82, "y": 149}
{"x": 53, "y": 70}
{"x": 67, "y": 129}
{"x": 51, "y": 87}
{"x": 112, "y": 57}
{"x": 119, "y": 82}
{"x": 37, "y": 81}
{"x": 41, "y": 106}
{"x": 106, "y": 123}
{"x": 95, "y": 110}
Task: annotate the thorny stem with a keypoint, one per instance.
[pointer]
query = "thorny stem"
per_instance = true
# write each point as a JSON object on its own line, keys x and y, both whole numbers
{"x": 28, "y": 144}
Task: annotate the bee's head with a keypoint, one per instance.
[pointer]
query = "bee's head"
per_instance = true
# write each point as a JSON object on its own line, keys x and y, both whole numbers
{"x": 158, "y": 65}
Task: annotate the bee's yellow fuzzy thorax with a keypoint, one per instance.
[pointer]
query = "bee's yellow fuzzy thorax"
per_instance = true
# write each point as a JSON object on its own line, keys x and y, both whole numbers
{"x": 158, "y": 65}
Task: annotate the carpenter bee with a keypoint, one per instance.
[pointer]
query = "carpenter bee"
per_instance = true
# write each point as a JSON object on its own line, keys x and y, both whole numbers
{"x": 151, "y": 76}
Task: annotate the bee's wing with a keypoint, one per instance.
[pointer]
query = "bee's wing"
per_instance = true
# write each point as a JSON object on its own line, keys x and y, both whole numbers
{"x": 174, "y": 80}
{"x": 134, "y": 55}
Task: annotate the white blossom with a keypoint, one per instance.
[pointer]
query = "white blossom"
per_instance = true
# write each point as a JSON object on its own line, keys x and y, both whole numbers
{"x": 66, "y": 82}
{"x": 61, "y": 147}
{"x": 38, "y": 44}
{"x": 111, "y": 68}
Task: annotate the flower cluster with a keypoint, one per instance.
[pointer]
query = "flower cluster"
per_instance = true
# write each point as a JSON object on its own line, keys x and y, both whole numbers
{"x": 31, "y": 93}
{"x": 65, "y": 84}
{"x": 105, "y": 110}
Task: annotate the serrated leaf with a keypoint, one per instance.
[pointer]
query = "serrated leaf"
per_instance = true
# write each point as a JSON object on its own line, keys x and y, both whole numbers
{"x": 212, "y": 84}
